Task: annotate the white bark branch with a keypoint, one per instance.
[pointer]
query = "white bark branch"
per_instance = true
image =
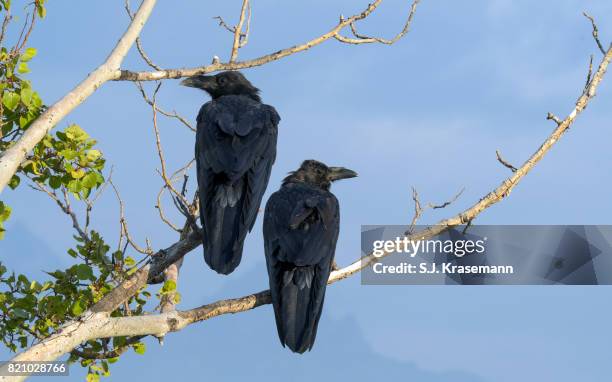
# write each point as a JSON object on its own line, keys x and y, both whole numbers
{"x": 12, "y": 158}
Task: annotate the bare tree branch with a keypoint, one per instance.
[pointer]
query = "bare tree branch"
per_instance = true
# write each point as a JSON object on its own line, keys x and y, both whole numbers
{"x": 595, "y": 33}
{"x": 64, "y": 206}
{"x": 139, "y": 47}
{"x": 448, "y": 202}
{"x": 127, "y": 75}
{"x": 224, "y": 25}
{"x": 418, "y": 209}
{"x": 244, "y": 38}
{"x": 551, "y": 116}
{"x": 589, "y": 74}
{"x": 504, "y": 162}
{"x": 124, "y": 230}
{"x": 362, "y": 39}
{"x": 174, "y": 114}
{"x": 238, "y": 31}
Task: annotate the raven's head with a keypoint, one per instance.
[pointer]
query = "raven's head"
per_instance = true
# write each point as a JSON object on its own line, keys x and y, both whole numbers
{"x": 224, "y": 83}
{"x": 318, "y": 174}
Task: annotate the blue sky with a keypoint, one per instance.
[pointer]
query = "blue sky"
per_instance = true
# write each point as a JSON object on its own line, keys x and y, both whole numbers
{"x": 430, "y": 111}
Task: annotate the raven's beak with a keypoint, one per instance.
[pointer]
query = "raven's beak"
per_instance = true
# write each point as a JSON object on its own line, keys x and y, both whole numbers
{"x": 337, "y": 173}
{"x": 200, "y": 82}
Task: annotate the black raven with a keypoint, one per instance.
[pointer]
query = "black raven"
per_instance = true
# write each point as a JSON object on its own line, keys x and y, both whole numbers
{"x": 301, "y": 225}
{"x": 235, "y": 149}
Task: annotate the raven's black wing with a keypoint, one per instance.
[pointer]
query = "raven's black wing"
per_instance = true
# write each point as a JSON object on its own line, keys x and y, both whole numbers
{"x": 301, "y": 226}
{"x": 235, "y": 150}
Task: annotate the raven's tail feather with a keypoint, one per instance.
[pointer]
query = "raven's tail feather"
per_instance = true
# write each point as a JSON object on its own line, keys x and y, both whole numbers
{"x": 299, "y": 309}
{"x": 226, "y": 234}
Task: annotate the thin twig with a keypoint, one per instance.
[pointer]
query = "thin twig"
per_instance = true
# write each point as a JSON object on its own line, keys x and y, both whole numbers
{"x": 363, "y": 39}
{"x": 139, "y": 47}
{"x": 64, "y": 206}
{"x": 5, "y": 22}
{"x": 238, "y": 31}
{"x": 448, "y": 202}
{"x": 595, "y": 33}
{"x": 174, "y": 114}
{"x": 27, "y": 35}
{"x": 162, "y": 214}
{"x": 223, "y": 24}
{"x": 551, "y": 116}
{"x": 125, "y": 232}
{"x": 244, "y": 37}
{"x": 504, "y": 162}
{"x": 419, "y": 209}
{"x": 589, "y": 74}
{"x": 160, "y": 151}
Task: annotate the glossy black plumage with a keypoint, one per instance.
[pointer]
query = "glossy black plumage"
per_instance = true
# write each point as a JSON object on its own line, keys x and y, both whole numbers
{"x": 235, "y": 150}
{"x": 301, "y": 225}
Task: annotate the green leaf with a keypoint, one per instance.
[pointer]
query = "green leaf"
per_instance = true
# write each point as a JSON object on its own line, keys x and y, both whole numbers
{"x": 5, "y": 212}
{"x": 62, "y": 136}
{"x": 77, "y": 308}
{"x": 84, "y": 272}
{"x": 23, "y": 121}
{"x": 177, "y": 298}
{"x": 6, "y": 4}
{"x": 118, "y": 341}
{"x": 55, "y": 182}
{"x": 14, "y": 182}
{"x": 18, "y": 312}
{"x": 28, "y": 54}
{"x": 26, "y": 96}
{"x": 42, "y": 12}
{"x": 91, "y": 377}
{"x": 78, "y": 174}
{"x": 74, "y": 132}
{"x": 92, "y": 155}
{"x": 23, "y": 68}
{"x": 36, "y": 101}
{"x": 23, "y": 279}
{"x": 139, "y": 348}
{"x": 169, "y": 286}
{"x": 10, "y": 100}
{"x": 129, "y": 261}
{"x": 69, "y": 154}
{"x": 90, "y": 180}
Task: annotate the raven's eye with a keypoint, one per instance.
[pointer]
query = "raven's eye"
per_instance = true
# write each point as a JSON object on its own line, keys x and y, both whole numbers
{"x": 222, "y": 80}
